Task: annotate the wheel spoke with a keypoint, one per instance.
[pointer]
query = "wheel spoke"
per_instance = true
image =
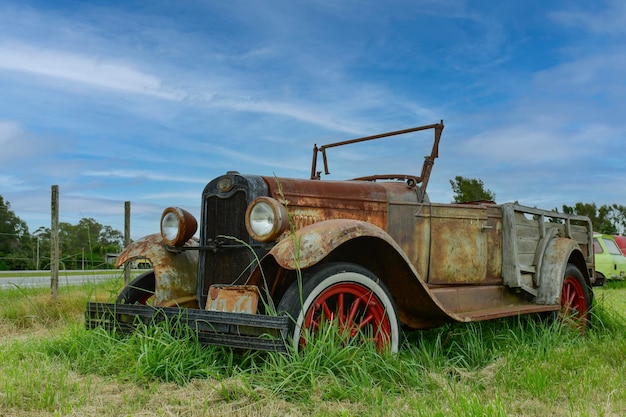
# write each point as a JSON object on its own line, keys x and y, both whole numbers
{"x": 353, "y": 310}
{"x": 366, "y": 320}
{"x": 314, "y": 325}
{"x": 341, "y": 314}
{"x": 327, "y": 312}
{"x": 574, "y": 302}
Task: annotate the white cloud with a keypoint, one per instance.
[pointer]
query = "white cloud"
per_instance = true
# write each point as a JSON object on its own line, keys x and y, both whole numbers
{"x": 9, "y": 183}
{"x": 75, "y": 67}
{"x": 19, "y": 145}
{"x": 608, "y": 20}
{"x": 142, "y": 175}
{"x": 8, "y": 131}
{"x": 536, "y": 143}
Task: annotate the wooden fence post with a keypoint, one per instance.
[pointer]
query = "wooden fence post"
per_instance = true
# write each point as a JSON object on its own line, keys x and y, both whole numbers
{"x": 127, "y": 238}
{"x": 54, "y": 243}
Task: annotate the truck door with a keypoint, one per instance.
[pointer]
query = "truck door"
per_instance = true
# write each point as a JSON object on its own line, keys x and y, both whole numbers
{"x": 465, "y": 244}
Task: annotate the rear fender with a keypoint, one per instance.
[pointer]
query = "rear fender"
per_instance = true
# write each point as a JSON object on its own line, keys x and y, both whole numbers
{"x": 176, "y": 273}
{"x": 559, "y": 252}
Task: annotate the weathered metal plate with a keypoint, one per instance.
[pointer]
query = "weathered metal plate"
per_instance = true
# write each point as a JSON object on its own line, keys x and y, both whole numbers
{"x": 233, "y": 298}
{"x": 176, "y": 273}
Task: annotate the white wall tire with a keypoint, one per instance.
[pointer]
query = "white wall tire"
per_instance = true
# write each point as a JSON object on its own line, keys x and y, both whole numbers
{"x": 349, "y": 293}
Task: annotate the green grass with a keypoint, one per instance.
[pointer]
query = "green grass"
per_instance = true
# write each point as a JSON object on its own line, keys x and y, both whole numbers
{"x": 65, "y": 273}
{"x": 510, "y": 367}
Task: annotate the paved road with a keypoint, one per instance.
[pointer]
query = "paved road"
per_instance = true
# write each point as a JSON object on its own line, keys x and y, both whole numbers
{"x": 7, "y": 281}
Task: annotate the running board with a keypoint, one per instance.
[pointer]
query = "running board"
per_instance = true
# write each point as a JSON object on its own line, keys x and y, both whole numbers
{"x": 485, "y": 302}
{"x": 246, "y": 331}
{"x": 494, "y": 313}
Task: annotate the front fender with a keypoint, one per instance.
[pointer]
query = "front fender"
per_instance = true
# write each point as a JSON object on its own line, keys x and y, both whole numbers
{"x": 176, "y": 273}
{"x": 417, "y": 306}
{"x": 309, "y": 245}
{"x": 555, "y": 259}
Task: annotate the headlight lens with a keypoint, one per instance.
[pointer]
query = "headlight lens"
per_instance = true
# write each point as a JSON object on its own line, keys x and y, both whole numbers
{"x": 177, "y": 226}
{"x": 266, "y": 219}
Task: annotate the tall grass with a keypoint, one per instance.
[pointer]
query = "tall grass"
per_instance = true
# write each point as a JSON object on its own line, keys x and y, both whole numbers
{"x": 510, "y": 367}
{"x": 24, "y": 308}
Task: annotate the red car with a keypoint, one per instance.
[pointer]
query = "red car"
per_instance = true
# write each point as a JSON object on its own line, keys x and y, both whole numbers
{"x": 621, "y": 242}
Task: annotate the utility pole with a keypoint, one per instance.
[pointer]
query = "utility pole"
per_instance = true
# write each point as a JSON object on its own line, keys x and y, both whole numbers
{"x": 127, "y": 239}
{"x": 54, "y": 243}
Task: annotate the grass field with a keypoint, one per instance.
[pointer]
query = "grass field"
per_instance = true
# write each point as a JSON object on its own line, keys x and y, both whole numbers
{"x": 64, "y": 273}
{"x": 51, "y": 366}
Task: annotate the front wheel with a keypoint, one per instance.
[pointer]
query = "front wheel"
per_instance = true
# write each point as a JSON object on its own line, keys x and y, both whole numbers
{"x": 575, "y": 298}
{"x": 348, "y": 296}
{"x": 138, "y": 291}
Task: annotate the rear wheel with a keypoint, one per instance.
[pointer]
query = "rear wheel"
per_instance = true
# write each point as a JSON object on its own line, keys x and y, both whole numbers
{"x": 138, "y": 291}
{"x": 575, "y": 298}
{"x": 348, "y": 296}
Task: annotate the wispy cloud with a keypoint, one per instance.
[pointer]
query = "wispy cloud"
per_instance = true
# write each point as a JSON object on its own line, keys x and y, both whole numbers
{"x": 91, "y": 70}
{"x": 143, "y": 175}
{"x": 607, "y": 17}
{"x": 16, "y": 144}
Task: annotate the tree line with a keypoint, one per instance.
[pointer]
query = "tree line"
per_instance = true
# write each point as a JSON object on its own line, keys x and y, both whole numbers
{"x": 84, "y": 245}
{"x": 608, "y": 219}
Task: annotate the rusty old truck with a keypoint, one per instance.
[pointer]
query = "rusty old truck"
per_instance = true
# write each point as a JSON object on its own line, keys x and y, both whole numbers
{"x": 277, "y": 258}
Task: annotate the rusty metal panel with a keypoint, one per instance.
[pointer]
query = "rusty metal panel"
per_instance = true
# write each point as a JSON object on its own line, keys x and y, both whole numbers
{"x": 409, "y": 225}
{"x": 493, "y": 232}
{"x": 310, "y": 202}
{"x": 311, "y": 244}
{"x": 464, "y": 238}
{"x": 233, "y": 298}
{"x": 175, "y": 272}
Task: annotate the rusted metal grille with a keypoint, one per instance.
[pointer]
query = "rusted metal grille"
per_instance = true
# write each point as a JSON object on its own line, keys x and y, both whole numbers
{"x": 225, "y": 223}
{"x": 224, "y": 259}
{"x": 225, "y": 216}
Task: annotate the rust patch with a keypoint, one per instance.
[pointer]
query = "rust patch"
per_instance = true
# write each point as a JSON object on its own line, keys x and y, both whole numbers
{"x": 460, "y": 248}
{"x": 311, "y": 244}
{"x": 233, "y": 298}
{"x": 309, "y": 202}
{"x": 176, "y": 273}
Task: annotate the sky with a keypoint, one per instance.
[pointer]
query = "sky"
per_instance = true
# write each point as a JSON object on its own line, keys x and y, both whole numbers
{"x": 146, "y": 102}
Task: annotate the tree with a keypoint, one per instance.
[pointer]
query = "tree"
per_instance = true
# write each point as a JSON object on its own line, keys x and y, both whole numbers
{"x": 470, "y": 189}
{"x": 15, "y": 241}
{"x": 607, "y": 219}
{"x": 87, "y": 243}
{"x": 83, "y": 244}
{"x": 42, "y": 249}
{"x": 618, "y": 217}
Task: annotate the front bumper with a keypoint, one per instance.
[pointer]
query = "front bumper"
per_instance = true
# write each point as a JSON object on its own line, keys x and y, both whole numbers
{"x": 237, "y": 330}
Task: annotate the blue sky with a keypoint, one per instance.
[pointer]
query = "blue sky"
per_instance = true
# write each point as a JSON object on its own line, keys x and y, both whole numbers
{"x": 147, "y": 101}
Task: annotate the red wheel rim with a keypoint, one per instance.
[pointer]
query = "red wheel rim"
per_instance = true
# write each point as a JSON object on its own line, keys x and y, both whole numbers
{"x": 573, "y": 301}
{"x": 144, "y": 298}
{"x": 355, "y": 307}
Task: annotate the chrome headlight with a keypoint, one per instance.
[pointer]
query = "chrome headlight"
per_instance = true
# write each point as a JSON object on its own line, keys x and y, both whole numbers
{"x": 266, "y": 219}
{"x": 177, "y": 226}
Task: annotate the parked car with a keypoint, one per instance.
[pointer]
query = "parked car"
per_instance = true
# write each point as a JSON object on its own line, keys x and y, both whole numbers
{"x": 621, "y": 243}
{"x": 609, "y": 259}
